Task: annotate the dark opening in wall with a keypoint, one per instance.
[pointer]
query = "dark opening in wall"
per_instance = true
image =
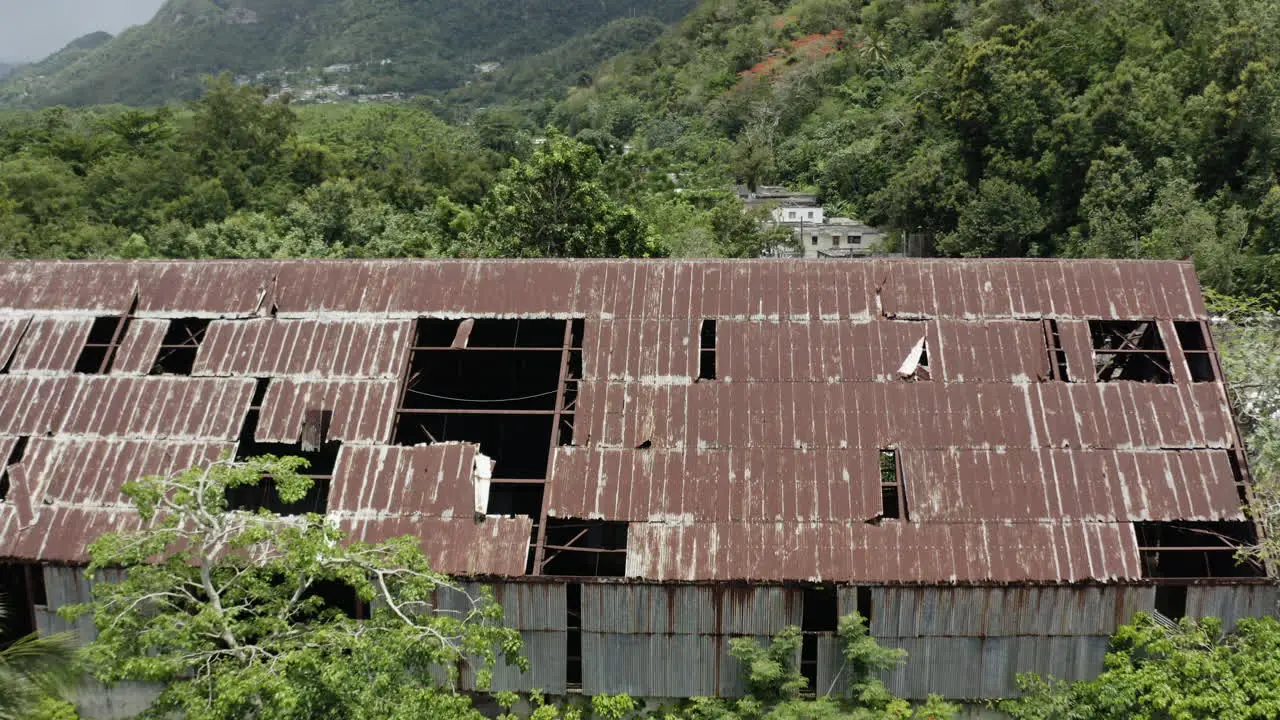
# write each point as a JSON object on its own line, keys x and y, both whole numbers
{"x": 1057, "y": 355}
{"x": 23, "y": 589}
{"x": 819, "y": 616}
{"x": 264, "y": 494}
{"x": 864, "y": 604}
{"x": 179, "y": 347}
{"x": 1196, "y": 550}
{"x": 484, "y": 379}
{"x": 495, "y": 383}
{"x": 515, "y": 499}
{"x": 1171, "y": 601}
{"x": 1191, "y": 335}
{"x": 573, "y": 636}
{"x": 585, "y": 548}
{"x": 1129, "y": 350}
{"x": 518, "y": 444}
{"x": 893, "y": 499}
{"x": 331, "y": 596}
{"x": 707, "y": 351}
{"x": 18, "y": 452}
{"x": 100, "y": 349}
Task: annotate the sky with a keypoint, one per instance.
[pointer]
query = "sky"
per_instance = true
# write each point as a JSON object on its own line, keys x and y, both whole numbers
{"x": 34, "y": 29}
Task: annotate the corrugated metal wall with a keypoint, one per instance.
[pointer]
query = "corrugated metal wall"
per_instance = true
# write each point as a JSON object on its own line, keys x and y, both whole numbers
{"x": 673, "y": 641}
{"x": 538, "y": 611}
{"x": 971, "y": 642}
{"x": 68, "y": 586}
{"x": 1233, "y": 602}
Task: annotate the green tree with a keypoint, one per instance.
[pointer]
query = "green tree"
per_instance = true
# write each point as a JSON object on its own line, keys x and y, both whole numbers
{"x": 33, "y": 670}
{"x": 1153, "y": 672}
{"x": 555, "y": 205}
{"x": 227, "y": 609}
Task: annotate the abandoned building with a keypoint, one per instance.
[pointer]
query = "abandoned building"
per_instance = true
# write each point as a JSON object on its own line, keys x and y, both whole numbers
{"x": 997, "y": 462}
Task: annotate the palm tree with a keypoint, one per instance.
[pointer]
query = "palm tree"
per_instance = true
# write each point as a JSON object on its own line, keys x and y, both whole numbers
{"x": 33, "y": 668}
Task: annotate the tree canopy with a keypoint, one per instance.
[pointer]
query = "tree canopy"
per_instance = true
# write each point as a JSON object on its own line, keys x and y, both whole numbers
{"x": 240, "y": 615}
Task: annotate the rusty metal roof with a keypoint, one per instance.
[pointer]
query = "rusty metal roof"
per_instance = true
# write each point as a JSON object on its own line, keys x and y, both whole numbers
{"x": 769, "y": 472}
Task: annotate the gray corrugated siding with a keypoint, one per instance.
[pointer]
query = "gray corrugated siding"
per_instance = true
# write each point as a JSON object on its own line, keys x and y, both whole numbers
{"x": 673, "y": 641}
{"x": 659, "y": 609}
{"x": 1232, "y": 602}
{"x": 984, "y": 612}
{"x": 661, "y": 665}
{"x": 538, "y": 611}
{"x": 69, "y": 586}
{"x": 971, "y": 667}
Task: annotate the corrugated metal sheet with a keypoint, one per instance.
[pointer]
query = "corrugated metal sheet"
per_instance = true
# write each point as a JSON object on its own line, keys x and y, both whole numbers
{"x": 892, "y": 552}
{"x": 622, "y": 349}
{"x": 363, "y": 411}
{"x": 152, "y": 407}
{"x": 807, "y": 357}
{"x": 1108, "y": 485}
{"x": 539, "y": 607}
{"x": 52, "y": 470}
{"x": 925, "y": 415}
{"x": 206, "y": 288}
{"x": 139, "y": 347}
{"x": 992, "y": 611}
{"x": 747, "y": 484}
{"x": 660, "y": 665}
{"x": 974, "y": 668}
{"x": 496, "y": 546}
{"x": 64, "y": 533}
{"x": 1233, "y": 602}
{"x": 51, "y": 345}
{"x": 990, "y": 351}
{"x": 11, "y": 330}
{"x": 538, "y": 611}
{"x": 683, "y": 609}
{"x": 305, "y": 348}
{"x": 429, "y": 481}
{"x": 69, "y": 586}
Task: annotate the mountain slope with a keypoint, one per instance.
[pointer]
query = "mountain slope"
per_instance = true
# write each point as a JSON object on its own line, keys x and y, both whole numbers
{"x": 1127, "y": 128}
{"x": 410, "y": 45}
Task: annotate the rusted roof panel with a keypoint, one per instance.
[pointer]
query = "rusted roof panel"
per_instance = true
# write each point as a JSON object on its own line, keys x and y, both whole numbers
{"x": 966, "y": 289}
{"x": 768, "y": 472}
{"x": 1105, "y": 485}
{"x": 992, "y": 351}
{"x": 892, "y": 552}
{"x": 32, "y": 405}
{"x": 63, "y": 534}
{"x": 11, "y": 330}
{"x": 304, "y": 348}
{"x": 625, "y": 349}
{"x": 51, "y": 345}
{"x": 139, "y": 347}
{"x": 363, "y": 411}
{"x": 460, "y": 546}
{"x": 740, "y": 485}
{"x": 53, "y": 468}
{"x": 428, "y": 481}
{"x": 125, "y": 407}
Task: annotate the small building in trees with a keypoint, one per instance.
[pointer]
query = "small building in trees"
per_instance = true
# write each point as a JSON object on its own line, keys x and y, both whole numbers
{"x": 996, "y": 462}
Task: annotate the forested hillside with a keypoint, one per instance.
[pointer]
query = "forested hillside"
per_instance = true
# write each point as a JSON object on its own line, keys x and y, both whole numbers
{"x": 402, "y": 45}
{"x": 1132, "y": 128}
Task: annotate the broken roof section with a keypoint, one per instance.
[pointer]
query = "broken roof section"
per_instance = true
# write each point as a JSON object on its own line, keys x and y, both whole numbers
{"x": 714, "y": 420}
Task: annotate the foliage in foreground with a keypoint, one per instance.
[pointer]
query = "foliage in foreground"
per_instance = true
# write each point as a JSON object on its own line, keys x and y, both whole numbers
{"x": 225, "y": 608}
{"x": 1154, "y": 673}
{"x": 1248, "y": 339}
{"x": 34, "y": 671}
